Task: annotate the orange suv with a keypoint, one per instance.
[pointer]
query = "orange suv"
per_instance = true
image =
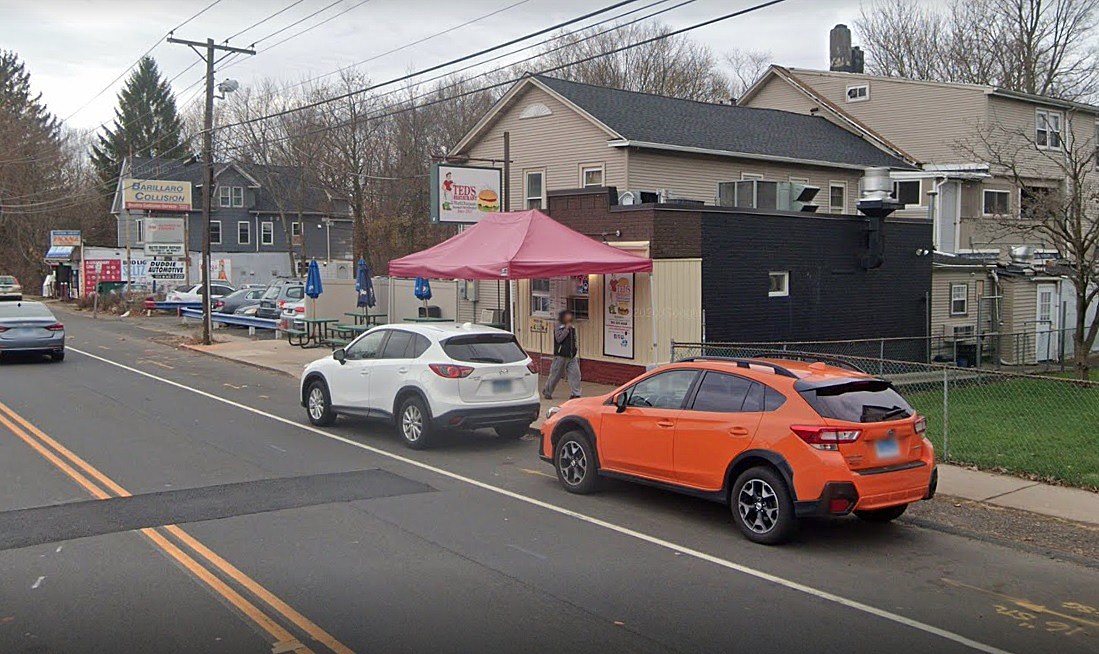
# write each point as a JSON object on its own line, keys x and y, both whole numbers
{"x": 775, "y": 439}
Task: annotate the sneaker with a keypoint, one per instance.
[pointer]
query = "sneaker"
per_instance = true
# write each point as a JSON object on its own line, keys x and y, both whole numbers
{"x": 546, "y": 396}
{"x": 574, "y": 397}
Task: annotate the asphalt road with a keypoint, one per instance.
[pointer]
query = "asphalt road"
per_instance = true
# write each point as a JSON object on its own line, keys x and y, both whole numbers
{"x": 155, "y": 499}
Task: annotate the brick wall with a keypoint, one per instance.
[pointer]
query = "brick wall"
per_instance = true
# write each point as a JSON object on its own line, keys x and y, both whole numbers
{"x": 673, "y": 233}
{"x": 594, "y": 371}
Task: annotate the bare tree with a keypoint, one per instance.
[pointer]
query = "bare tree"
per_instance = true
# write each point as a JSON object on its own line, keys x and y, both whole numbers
{"x": 1065, "y": 215}
{"x": 746, "y": 66}
{"x": 1044, "y": 47}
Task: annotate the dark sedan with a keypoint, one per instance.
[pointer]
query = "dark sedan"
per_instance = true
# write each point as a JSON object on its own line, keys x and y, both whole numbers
{"x": 31, "y": 327}
{"x": 245, "y": 297}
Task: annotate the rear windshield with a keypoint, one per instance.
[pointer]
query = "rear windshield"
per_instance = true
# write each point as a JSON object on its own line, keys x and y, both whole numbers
{"x": 484, "y": 348}
{"x": 271, "y": 293}
{"x": 24, "y": 310}
{"x": 859, "y": 401}
{"x": 7, "y": 280}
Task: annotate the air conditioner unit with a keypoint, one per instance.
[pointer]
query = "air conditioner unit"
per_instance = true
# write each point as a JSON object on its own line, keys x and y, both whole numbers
{"x": 961, "y": 332}
{"x": 638, "y": 197}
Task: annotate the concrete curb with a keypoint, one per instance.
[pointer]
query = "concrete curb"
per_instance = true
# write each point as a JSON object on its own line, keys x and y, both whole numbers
{"x": 223, "y": 357}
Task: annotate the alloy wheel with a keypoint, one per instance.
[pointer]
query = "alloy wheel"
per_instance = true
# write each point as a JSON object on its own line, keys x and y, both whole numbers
{"x": 573, "y": 463}
{"x": 412, "y": 423}
{"x": 758, "y": 506}
{"x": 316, "y": 403}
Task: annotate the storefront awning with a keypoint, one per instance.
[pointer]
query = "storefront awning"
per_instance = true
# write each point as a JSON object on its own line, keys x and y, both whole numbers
{"x": 60, "y": 253}
{"x": 518, "y": 245}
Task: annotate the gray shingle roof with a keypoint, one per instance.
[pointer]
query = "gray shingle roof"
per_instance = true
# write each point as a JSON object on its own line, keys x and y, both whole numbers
{"x": 748, "y": 130}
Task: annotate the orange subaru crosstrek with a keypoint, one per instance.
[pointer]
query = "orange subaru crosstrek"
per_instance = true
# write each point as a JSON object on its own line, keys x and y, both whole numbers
{"x": 775, "y": 439}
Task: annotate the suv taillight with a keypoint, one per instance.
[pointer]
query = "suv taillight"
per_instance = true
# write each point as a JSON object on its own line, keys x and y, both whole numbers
{"x": 450, "y": 371}
{"x": 300, "y": 309}
{"x": 533, "y": 367}
{"x": 218, "y": 304}
{"x": 920, "y": 425}
{"x": 826, "y": 438}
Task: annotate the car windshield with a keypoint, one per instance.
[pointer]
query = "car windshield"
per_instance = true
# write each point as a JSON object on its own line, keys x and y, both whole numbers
{"x": 484, "y": 348}
{"x": 271, "y": 293}
{"x": 871, "y": 400}
{"x": 7, "y": 280}
{"x": 24, "y": 310}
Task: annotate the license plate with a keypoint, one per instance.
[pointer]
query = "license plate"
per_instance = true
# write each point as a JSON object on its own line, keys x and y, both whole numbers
{"x": 887, "y": 449}
{"x": 501, "y": 385}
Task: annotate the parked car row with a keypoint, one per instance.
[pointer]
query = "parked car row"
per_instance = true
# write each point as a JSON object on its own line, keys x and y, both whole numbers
{"x": 776, "y": 440}
{"x": 282, "y": 299}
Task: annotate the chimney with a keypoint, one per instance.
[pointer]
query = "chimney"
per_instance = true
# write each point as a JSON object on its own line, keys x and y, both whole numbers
{"x": 842, "y": 57}
{"x": 839, "y": 48}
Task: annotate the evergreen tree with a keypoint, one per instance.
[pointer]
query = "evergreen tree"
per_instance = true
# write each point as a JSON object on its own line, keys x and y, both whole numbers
{"x": 146, "y": 123}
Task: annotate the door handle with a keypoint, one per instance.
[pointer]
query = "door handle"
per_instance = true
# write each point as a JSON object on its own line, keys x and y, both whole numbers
{"x": 739, "y": 431}
{"x": 666, "y": 423}
{"x": 402, "y": 370}
{"x": 364, "y": 372}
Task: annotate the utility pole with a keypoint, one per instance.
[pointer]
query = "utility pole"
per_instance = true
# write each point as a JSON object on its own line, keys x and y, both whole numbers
{"x": 207, "y": 53}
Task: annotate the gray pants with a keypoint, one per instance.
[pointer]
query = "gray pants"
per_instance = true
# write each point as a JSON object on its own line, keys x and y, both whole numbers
{"x": 564, "y": 366}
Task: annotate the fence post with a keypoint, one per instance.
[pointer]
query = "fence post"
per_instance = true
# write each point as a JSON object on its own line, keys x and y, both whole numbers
{"x": 881, "y": 357}
{"x": 671, "y": 352}
{"x": 946, "y": 412}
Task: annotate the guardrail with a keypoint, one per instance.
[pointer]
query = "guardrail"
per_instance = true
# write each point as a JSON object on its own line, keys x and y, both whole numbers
{"x": 171, "y": 306}
{"x": 251, "y": 322}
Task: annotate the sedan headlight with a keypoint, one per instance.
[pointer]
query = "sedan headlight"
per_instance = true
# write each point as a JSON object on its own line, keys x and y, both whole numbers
{"x": 552, "y": 411}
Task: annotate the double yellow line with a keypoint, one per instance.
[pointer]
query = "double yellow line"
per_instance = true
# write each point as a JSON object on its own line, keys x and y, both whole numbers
{"x": 175, "y": 542}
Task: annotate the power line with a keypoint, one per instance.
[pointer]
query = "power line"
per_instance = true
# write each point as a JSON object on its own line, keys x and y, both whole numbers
{"x": 232, "y": 60}
{"x": 264, "y": 20}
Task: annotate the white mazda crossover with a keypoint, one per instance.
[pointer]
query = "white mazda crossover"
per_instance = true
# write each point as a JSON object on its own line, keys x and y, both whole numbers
{"x": 426, "y": 377}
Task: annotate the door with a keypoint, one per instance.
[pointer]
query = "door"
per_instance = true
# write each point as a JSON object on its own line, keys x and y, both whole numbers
{"x": 946, "y": 220}
{"x": 719, "y": 424}
{"x": 639, "y": 441}
{"x": 1046, "y": 342}
{"x": 390, "y": 371}
{"x": 349, "y": 383}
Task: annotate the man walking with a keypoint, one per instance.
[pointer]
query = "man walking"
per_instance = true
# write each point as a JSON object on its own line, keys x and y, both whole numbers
{"x": 565, "y": 357}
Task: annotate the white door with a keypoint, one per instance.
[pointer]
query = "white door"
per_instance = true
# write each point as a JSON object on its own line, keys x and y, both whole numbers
{"x": 349, "y": 383}
{"x": 390, "y": 370}
{"x": 1047, "y": 327}
{"x": 946, "y": 222}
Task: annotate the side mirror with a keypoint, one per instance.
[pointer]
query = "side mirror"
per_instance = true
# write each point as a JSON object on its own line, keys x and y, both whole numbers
{"x": 620, "y": 401}
{"x": 340, "y": 355}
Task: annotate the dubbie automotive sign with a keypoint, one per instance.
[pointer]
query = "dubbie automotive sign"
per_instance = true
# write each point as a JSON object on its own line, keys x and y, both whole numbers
{"x": 156, "y": 195}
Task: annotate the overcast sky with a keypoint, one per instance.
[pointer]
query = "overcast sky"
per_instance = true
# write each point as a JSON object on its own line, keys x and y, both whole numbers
{"x": 75, "y": 48}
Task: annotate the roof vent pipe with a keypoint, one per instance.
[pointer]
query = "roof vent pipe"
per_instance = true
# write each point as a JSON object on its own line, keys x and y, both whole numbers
{"x": 876, "y": 204}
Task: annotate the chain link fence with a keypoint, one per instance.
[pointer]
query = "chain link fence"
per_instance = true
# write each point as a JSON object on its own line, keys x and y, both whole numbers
{"x": 1037, "y": 426}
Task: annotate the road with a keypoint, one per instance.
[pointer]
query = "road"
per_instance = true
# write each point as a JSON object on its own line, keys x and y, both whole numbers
{"x": 156, "y": 499}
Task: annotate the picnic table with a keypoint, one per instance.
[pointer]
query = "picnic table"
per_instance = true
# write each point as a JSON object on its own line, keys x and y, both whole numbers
{"x": 365, "y": 318}
{"x": 345, "y": 329}
{"x": 315, "y": 332}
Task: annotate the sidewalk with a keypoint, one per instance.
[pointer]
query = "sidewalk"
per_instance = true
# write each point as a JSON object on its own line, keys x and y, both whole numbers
{"x": 1000, "y": 490}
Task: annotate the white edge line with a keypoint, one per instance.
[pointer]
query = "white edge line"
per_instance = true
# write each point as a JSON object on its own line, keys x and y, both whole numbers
{"x": 626, "y": 531}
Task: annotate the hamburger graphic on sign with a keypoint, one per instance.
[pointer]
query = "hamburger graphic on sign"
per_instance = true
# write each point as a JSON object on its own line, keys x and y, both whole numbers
{"x": 463, "y": 194}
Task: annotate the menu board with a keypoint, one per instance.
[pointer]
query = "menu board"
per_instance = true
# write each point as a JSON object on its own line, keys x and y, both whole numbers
{"x": 618, "y": 316}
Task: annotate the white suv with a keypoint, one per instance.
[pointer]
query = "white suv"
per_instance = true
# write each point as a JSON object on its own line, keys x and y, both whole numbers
{"x": 427, "y": 377}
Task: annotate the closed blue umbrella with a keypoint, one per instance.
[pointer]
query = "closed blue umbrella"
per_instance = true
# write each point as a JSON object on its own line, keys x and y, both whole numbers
{"x": 364, "y": 286}
{"x": 313, "y": 285}
{"x": 422, "y": 290}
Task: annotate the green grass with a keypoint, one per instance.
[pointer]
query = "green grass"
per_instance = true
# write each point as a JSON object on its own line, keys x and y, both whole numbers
{"x": 1032, "y": 427}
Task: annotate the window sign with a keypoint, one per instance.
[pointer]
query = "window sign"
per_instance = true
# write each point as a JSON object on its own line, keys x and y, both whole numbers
{"x": 618, "y": 318}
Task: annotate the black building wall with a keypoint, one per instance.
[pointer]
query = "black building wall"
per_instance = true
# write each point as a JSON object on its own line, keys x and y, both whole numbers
{"x": 831, "y": 296}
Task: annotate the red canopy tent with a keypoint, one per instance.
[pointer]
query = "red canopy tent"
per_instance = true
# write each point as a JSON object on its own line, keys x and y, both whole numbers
{"x": 521, "y": 245}
{"x": 518, "y": 245}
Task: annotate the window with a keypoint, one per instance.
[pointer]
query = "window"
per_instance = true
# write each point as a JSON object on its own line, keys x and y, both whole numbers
{"x": 907, "y": 192}
{"x": 238, "y": 196}
{"x": 579, "y": 306}
{"x": 799, "y": 180}
{"x": 295, "y": 292}
{"x": 225, "y": 196}
{"x": 666, "y": 390}
{"x": 744, "y": 177}
{"x": 591, "y": 176}
{"x": 267, "y": 233}
{"x": 723, "y": 393}
{"x": 540, "y": 302}
{"x": 420, "y": 344}
{"x": 1047, "y": 129}
{"x": 997, "y": 203}
{"x": 366, "y": 347}
{"x": 295, "y": 228}
{"x": 398, "y": 345}
{"x": 484, "y": 348}
{"x": 534, "y": 190}
{"x": 244, "y": 232}
{"x": 872, "y": 400}
{"x": 779, "y": 284}
{"x": 215, "y": 232}
{"x": 837, "y": 197}
{"x": 535, "y": 110}
{"x": 959, "y": 299}
{"x": 858, "y": 93}
{"x": 139, "y": 230}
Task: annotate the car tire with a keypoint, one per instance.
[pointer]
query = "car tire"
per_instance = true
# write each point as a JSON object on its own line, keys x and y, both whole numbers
{"x": 762, "y": 506}
{"x": 58, "y": 357}
{"x": 414, "y": 423}
{"x": 318, "y": 404}
{"x": 888, "y": 514}
{"x": 512, "y": 432}
{"x": 576, "y": 464}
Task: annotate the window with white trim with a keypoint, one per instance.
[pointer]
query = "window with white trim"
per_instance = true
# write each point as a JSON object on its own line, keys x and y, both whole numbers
{"x": 295, "y": 228}
{"x": 837, "y": 197}
{"x": 534, "y": 189}
{"x": 225, "y": 196}
{"x": 238, "y": 196}
{"x": 541, "y": 302}
{"x": 996, "y": 203}
{"x": 267, "y": 233}
{"x": 907, "y": 192}
{"x": 959, "y": 299}
{"x": 858, "y": 93}
{"x": 779, "y": 284}
{"x": 1047, "y": 129}
{"x": 744, "y": 177}
{"x": 591, "y": 176}
{"x": 799, "y": 180}
{"x": 215, "y": 232}
{"x": 244, "y": 232}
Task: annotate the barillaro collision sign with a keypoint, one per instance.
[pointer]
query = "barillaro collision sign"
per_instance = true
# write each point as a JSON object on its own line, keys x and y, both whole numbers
{"x": 156, "y": 195}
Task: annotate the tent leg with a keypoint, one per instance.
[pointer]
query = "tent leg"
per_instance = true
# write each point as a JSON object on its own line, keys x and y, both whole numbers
{"x": 652, "y": 313}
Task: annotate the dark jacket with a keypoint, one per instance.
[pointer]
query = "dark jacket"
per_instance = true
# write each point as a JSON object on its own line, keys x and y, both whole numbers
{"x": 564, "y": 342}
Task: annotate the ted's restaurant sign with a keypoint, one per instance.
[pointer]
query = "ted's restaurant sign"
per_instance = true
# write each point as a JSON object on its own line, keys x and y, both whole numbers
{"x": 156, "y": 195}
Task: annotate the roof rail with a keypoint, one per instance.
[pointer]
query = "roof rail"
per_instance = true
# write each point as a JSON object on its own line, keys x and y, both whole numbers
{"x": 745, "y": 363}
{"x": 805, "y": 356}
